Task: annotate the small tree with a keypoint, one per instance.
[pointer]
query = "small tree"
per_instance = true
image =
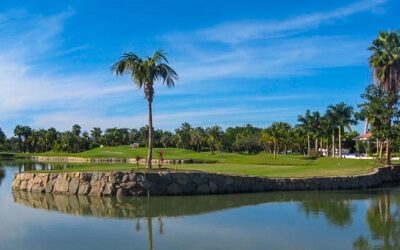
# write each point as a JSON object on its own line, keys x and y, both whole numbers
{"x": 160, "y": 154}
{"x": 382, "y": 111}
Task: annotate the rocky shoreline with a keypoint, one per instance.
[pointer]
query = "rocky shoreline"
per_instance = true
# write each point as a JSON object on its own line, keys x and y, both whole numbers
{"x": 164, "y": 182}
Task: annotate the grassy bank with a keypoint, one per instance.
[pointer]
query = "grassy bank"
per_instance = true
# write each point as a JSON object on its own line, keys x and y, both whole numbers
{"x": 174, "y": 153}
{"x": 229, "y": 163}
{"x": 320, "y": 168}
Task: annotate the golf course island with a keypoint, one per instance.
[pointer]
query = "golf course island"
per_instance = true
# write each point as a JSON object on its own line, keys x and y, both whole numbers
{"x": 120, "y": 171}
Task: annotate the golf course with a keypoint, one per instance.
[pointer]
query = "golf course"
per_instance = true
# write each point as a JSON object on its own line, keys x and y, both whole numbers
{"x": 261, "y": 164}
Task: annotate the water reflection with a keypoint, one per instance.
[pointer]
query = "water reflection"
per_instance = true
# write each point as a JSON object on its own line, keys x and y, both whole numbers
{"x": 337, "y": 211}
{"x": 336, "y": 207}
{"x": 2, "y": 175}
{"x": 138, "y": 207}
{"x": 382, "y": 214}
{"x": 383, "y": 220}
{"x": 363, "y": 220}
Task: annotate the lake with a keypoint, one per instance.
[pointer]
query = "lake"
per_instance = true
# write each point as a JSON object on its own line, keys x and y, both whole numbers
{"x": 362, "y": 219}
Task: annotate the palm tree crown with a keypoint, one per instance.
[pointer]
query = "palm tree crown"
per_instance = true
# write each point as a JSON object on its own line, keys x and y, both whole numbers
{"x": 385, "y": 60}
{"x": 342, "y": 115}
{"x": 144, "y": 72}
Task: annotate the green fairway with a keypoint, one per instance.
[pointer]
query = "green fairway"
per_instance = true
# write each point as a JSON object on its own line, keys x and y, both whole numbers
{"x": 230, "y": 163}
{"x": 320, "y": 168}
{"x": 173, "y": 153}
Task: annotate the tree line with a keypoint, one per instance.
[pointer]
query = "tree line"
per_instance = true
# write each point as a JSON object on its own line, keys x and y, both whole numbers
{"x": 314, "y": 131}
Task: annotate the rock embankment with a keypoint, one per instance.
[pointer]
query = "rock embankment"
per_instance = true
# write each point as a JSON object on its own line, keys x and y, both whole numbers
{"x": 187, "y": 183}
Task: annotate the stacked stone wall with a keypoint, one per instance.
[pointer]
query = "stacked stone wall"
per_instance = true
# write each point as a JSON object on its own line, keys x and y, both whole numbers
{"x": 188, "y": 183}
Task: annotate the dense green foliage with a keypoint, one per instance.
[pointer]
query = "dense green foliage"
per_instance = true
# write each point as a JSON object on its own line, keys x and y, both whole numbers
{"x": 280, "y": 137}
{"x": 382, "y": 102}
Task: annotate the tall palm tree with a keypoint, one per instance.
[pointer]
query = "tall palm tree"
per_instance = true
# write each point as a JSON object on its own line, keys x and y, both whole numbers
{"x": 196, "y": 137}
{"x": 18, "y": 131}
{"x": 330, "y": 124}
{"x": 343, "y": 114}
{"x": 277, "y": 133}
{"x": 316, "y": 122}
{"x": 385, "y": 62}
{"x": 214, "y": 136}
{"x": 144, "y": 73}
{"x": 306, "y": 124}
{"x": 265, "y": 140}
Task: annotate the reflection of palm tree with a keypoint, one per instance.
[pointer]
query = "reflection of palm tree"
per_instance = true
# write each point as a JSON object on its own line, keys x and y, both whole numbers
{"x": 361, "y": 243}
{"x": 2, "y": 175}
{"x": 160, "y": 225}
{"x": 383, "y": 219}
{"x": 383, "y": 224}
{"x": 149, "y": 233}
{"x": 138, "y": 226}
{"x": 337, "y": 212}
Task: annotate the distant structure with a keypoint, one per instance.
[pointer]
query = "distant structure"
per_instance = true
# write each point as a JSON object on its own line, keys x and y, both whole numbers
{"x": 135, "y": 145}
{"x": 366, "y": 136}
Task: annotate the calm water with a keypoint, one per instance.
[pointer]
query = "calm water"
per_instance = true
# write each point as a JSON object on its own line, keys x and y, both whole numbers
{"x": 281, "y": 220}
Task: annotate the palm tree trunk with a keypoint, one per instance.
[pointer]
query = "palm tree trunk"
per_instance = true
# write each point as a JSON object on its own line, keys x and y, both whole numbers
{"x": 333, "y": 144}
{"x": 316, "y": 144}
{"x": 308, "y": 144}
{"x": 340, "y": 142}
{"x": 274, "y": 150}
{"x": 388, "y": 153}
{"x": 150, "y": 139}
{"x": 377, "y": 148}
{"x": 321, "y": 143}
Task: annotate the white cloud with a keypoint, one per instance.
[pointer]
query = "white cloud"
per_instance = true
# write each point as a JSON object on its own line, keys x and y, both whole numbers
{"x": 26, "y": 84}
{"x": 249, "y": 49}
{"x": 285, "y": 58}
{"x": 242, "y": 31}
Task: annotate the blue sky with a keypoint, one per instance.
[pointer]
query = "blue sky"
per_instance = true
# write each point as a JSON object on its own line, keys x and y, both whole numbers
{"x": 238, "y": 62}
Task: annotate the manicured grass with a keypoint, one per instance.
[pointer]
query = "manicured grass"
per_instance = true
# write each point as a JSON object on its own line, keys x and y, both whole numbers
{"x": 319, "y": 167}
{"x": 173, "y": 153}
{"x": 230, "y": 163}
{"x": 6, "y": 154}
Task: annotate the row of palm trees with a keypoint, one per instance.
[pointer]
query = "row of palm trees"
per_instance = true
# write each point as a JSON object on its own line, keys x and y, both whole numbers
{"x": 323, "y": 129}
{"x": 384, "y": 61}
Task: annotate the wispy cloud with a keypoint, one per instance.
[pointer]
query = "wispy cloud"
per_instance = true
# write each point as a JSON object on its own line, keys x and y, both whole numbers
{"x": 249, "y": 49}
{"x": 285, "y": 58}
{"x": 242, "y": 31}
{"x": 25, "y": 86}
